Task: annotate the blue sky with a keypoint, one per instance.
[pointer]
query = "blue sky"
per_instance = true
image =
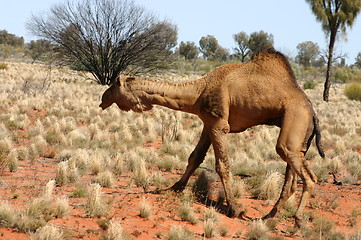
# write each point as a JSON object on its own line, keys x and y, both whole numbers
{"x": 290, "y": 21}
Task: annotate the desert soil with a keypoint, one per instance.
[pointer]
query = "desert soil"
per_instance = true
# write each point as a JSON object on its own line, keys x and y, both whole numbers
{"x": 28, "y": 182}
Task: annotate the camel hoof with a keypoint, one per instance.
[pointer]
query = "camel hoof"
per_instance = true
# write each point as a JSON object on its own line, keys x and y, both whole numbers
{"x": 271, "y": 214}
{"x": 231, "y": 213}
{"x": 177, "y": 187}
{"x": 298, "y": 222}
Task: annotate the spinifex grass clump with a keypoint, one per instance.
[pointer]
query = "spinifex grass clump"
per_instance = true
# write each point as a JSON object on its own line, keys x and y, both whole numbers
{"x": 114, "y": 232}
{"x": 145, "y": 209}
{"x": 186, "y": 213}
{"x": 271, "y": 187}
{"x": 179, "y": 233}
{"x": 141, "y": 176}
{"x": 258, "y": 230}
{"x": 95, "y": 205}
{"x": 202, "y": 186}
{"x": 48, "y": 232}
{"x": 105, "y": 179}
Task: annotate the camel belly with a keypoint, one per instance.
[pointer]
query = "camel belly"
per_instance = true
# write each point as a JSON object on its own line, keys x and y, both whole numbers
{"x": 241, "y": 119}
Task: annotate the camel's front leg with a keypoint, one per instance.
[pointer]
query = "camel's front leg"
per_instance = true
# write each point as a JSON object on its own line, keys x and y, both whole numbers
{"x": 218, "y": 136}
{"x": 194, "y": 160}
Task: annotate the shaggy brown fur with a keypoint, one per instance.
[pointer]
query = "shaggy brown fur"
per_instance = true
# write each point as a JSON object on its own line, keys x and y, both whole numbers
{"x": 230, "y": 99}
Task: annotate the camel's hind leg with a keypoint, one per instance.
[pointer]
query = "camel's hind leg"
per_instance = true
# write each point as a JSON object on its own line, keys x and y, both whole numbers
{"x": 289, "y": 188}
{"x": 194, "y": 160}
{"x": 292, "y": 144}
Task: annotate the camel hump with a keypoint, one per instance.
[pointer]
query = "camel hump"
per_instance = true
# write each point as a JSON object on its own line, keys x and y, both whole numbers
{"x": 274, "y": 59}
{"x": 268, "y": 54}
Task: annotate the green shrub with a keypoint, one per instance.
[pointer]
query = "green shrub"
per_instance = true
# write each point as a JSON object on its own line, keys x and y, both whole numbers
{"x": 309, "y": 84}
{"x": 3, "y": 66}
{"x": 353, "y": 91}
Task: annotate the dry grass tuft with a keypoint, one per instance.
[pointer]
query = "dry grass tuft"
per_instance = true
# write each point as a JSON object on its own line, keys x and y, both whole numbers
{"x": 271, "y": 187}
{"x": 95, "y": 205}
{"x": 258, "y": 231}
{"x": 145, "y": 209}
{"x": 47, "y": 232}
{"x": 179, "y": 233}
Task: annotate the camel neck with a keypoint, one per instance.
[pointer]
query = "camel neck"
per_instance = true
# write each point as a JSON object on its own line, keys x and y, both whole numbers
{"x": 180, "y": 96}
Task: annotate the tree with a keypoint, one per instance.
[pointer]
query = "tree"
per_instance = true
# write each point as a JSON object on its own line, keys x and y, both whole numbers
{"x": 358, "y": 60}
{"x": 259, "y": 41}
{"x": 242, "y": 50}
{"x": 335, "y": 16}
{"x": 188, "y": 50}
{"x": 211, "y": 49}
{"x": 39, "y": 49}
{"x": 11, "y": 39}
{"x": 250, "y": 45}
{"x": 307, "y": 53}
{"x": 106, "y": 37}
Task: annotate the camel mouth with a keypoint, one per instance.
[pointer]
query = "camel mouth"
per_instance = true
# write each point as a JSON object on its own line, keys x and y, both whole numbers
{"x": 102, "y": 106}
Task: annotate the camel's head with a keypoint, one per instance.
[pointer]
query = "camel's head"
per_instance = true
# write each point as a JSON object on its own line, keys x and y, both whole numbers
{"x": 120, "y": 94}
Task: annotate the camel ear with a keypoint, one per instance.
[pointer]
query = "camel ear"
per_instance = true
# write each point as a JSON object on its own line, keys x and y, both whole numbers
{"x": 117, "y": 82}
{"x": 129, "y": 79}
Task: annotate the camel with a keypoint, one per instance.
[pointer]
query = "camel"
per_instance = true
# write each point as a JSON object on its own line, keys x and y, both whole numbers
{"x": 230, "y": 99}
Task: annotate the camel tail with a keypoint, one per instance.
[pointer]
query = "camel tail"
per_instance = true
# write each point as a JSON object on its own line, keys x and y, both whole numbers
{"x": 317, "y": 132}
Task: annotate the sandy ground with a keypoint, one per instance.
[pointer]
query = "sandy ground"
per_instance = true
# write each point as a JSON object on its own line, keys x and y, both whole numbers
{"x": 330, "y": 201}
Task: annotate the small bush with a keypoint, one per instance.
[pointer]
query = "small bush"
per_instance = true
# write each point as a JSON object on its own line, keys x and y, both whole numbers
{"x": 7, "y": 215}
{"x": 209, "y": 228}
{"x": 105, "y": 179}
{"x": 271, "y": 187}
{"x": 145, "y": 209}
{"x": 47, "y": 232}
{"x": 179, "y": 233}
{"x": 4, "y": 66}
{"x": 186, "y": 213}
{"x": 258, "y": 230}
{"x": 61, "y": 177}
{"x": 211, "y": 214}
{"x": 202, "y": 186}
{"x": 353, "y": 91}
{"x": 115, "y": 232}
{"x": 323, "y": 229}
{"x": 95, "y": 205}
{"x": 309, "y": 85}
{"x": 141, "y": 176}
{"x": 78, "y": 192}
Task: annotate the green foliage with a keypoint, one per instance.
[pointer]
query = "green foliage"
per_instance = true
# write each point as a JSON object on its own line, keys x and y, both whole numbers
{"x": 188, "y": 50}
{"x": 309, "y": 84}
{"x": 343, "y": 74}
{"x": 259, "y": 41}
{"x": 11, "y": 39}
{"x": 335, "y": 14}
{"x": 307, "y": 53}
{"x": 358, "y": 60}
{"x": 40, "y": 50}
{"x": 211, "y": 49}
{"x": 4, "y": 66}
{"x": 78, "y": 192}
{"x": 252, "y": 44}
{"x": 353, "y": 91}
{"x": 242, "y": 50}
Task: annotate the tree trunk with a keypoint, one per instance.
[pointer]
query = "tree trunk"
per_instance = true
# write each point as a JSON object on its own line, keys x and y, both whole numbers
{"x": 326, "y": 90}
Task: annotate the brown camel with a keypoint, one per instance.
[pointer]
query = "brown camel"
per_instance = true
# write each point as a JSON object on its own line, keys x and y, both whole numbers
{"x": 230, "y": 99}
